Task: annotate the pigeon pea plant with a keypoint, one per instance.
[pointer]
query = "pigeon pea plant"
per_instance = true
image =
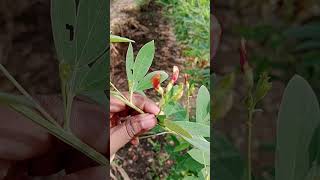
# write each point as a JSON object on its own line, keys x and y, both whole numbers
{"x": 80, "y": 38}
{"x": 173, "y": 117}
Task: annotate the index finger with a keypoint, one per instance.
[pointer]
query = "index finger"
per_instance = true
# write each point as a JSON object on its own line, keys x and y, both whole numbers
{"x": 144, "y": 103}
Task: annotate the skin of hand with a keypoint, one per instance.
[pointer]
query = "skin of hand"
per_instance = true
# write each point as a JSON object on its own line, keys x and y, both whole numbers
{"x": 27, "y": 150}
{"x": 126, "y": 124}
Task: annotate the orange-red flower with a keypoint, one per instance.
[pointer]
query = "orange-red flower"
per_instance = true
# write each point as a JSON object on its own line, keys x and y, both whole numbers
{"x": 156, "y": 81}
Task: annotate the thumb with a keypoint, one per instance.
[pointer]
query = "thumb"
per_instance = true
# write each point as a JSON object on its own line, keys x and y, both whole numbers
{"x": 134, "y": 125}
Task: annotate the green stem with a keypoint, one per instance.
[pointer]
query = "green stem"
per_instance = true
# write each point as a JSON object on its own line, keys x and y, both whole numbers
{"x": 250, "y": 143}
{"x": 153, "y": 135}
{"x": 124, "y": 100}
{"x": 188, "y": 103}
{"x": 28, "y": 96}
{"x": 61, "y": 134}
{"x": 68, "y": 112}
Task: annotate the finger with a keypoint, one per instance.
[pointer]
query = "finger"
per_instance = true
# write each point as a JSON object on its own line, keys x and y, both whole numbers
{"x": 134, "y": 125}
{"x": 20, "y": 138}
{"x": 89, "y": 123}
{"x": 144, "y": 103}
{"x": 116, "y": 105}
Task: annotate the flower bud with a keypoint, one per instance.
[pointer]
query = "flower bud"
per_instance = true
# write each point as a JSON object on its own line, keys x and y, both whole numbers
{"x": 175, "y": 74}
{"x": 169, "y": 87}
{"x": 186, "y": 80}
{"x": 243, "y": 55}
{"x": 179, "y": 93}
{"x": 245, "y": 67}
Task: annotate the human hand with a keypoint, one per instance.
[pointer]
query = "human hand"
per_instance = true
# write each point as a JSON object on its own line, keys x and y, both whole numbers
{"x": 27, "y": 150}
{"x": 126, "y": 124}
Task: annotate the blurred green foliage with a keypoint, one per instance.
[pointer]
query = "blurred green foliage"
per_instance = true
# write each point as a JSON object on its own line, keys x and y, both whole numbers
{"x": 286, "y": 50}
{"x": 191, "y": 21}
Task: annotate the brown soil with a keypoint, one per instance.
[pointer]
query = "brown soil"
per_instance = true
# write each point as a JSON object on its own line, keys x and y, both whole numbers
{"x": 26, "y": 46}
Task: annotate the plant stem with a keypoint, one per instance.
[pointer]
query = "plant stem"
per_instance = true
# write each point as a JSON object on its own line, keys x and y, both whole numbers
{"x": 249, "y": 143}
{"x": 61, "y": 134}
{"x": 117, "y": 94}
{"x": 188, "y": 103}
{"x": 153, "y": 135}
{"x": 68, "y": 112}
{"x": 27, "y": 95}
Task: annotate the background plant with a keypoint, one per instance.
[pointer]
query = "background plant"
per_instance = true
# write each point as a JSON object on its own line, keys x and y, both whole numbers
{"x": 191, "y": 22}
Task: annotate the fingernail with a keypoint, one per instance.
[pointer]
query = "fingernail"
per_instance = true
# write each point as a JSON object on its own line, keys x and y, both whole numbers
{"x": 149, "y": 122}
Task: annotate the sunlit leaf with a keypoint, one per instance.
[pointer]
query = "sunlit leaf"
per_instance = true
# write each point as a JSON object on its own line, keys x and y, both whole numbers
{"x": 203, "y": 102}
{"x": 200, "y": 156}
{"x": 195, "y": 128}
{"x": 172, "y": 126}
{"x": 143, "y": 61}
{"x": 129, "y": 63}
{"x": 116, "y": 39}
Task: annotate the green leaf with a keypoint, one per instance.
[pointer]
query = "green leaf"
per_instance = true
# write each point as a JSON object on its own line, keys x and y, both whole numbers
{"x": 143, "y": 61}
{"x": 63, "y": 16}
{"x": 226, "y": 159}
{"x": 146, "y": 82}
{"x": 205, "y": 172}
{"x": 61, "y": 134}
{"x": 172, "y": 126}
{"x": 98, "y": 96}
{"x": 7, "y": 99}
{"x": 91, "y": 30}
{"x": 203, "y": 102}
{"x": 181, "y": 147}
{"x": 200, "y": 143}
{"x": 262, "y": 88}
{"x": 129, "y": 63}
{"x": 314, "y": 173}
{"x": 298, "y": 117}
{"x": 200, "y": 156}
{"x": 195, "y": 128}
{"x": 94, "y": 78}
{"x": 308, "y": 31}
{"x": 175, "y": 111}
{"x": 308, "y": 45}
{"x": 116, "y": 39}
{"x": 161, "y": 118}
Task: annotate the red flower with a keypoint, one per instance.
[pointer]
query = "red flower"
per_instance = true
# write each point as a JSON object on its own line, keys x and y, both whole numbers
{"x": 156, "y": 81}
{"x": 175, "y": 74}
{"x": 243, "y": 55}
